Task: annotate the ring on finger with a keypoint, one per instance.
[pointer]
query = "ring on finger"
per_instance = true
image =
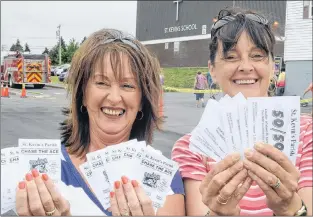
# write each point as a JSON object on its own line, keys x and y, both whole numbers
{"x": 125, "y": 214}
{"x": 222, "y": 200}
{"x": 277, "y": 184}
{"x": 51, "y": 212}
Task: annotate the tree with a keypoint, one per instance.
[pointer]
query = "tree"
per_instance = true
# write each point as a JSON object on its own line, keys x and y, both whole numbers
{"x": 63, "y": 44}
{"x": 13, "y": 47}
{"x": 46, "y": 51}
{"x": 27, "y": 48}
{"x": 54, "y": 55}
{"x": 18, "y": 46}
{"x": 71, "y": 49}
{"x": 84, "y": 39}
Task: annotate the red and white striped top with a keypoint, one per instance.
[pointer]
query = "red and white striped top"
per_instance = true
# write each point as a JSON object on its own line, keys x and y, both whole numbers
{"x": 195, "y": 166}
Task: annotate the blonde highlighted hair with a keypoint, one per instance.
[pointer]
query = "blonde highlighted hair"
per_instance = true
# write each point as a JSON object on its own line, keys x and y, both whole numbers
{"x": 75, "y": 129}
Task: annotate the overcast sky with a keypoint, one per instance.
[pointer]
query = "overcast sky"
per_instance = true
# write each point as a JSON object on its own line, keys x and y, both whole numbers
{"x": 36, "y": 22}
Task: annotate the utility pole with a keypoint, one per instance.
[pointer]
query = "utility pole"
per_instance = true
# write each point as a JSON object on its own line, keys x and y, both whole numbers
{"x": 59, "y": 34}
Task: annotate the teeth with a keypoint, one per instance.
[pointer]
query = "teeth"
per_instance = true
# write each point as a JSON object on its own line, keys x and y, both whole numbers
{"x": 112, "y": 112}
{"x": 245, "y": 81}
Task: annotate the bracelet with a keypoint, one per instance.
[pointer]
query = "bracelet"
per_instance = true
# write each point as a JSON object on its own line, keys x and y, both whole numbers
{"x": 303, "y": 211}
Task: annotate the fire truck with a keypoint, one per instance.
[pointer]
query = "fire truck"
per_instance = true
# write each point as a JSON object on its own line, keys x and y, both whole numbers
{"x": 18, "y": 69}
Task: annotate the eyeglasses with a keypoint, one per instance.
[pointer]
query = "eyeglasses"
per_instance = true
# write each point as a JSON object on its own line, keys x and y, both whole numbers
{"x": 226, "y": 18}
{"x": 125, "y": 40}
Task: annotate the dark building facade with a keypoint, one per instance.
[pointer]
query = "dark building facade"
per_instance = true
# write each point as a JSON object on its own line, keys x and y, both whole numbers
{"x": 178, "y": 32}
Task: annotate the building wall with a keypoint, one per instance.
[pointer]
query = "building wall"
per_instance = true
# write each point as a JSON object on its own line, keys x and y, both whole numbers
{"x": 298, "y": 42}
{"x": 157, "y": 19}
{"x": 298, "y": 77}
{"x": 193, "y": 53}
{"x": 298, "y": 49}
{"x": 157, "y": 25}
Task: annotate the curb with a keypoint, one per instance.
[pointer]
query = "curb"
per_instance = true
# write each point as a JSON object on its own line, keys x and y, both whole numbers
{"x": 55, "y": 86}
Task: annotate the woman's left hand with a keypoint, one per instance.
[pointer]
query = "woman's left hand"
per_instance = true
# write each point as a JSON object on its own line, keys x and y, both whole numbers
{"x": 130, "y": 199}
{"x": 276, "y": 176}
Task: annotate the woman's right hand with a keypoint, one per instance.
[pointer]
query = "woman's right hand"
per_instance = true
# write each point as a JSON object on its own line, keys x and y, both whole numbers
{"x": 38, "y": 196}
{"x": 225, "y": 185}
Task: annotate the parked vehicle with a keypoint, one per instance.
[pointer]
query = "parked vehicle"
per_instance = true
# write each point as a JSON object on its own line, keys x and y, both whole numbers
{"x": 53, "y": 68}
{"x": 21, "y": 68}
{"x": 60, "y": 69}
{"x": 64, "y": 74}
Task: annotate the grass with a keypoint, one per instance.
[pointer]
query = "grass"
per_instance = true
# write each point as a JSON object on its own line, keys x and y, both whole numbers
{"x": 55, "y": 80}
{"x": 180, "y": 77}
{"x": 183, "y": 77}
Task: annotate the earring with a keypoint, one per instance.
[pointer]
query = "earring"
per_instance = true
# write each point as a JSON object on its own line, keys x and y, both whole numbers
{"x": 81, "y": 109}
{"x": 141, "y": 116}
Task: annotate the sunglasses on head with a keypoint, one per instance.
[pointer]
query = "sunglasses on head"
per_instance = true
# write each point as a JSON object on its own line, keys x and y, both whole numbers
{"x": 226, "y": 18}
{"x": 125, "y": 40}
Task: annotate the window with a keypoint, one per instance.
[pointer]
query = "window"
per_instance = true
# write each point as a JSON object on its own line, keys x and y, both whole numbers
{"x": 203, "y": 29}
{"x": 166, "y": 46}
{"x": 176, "y": 46}
{"x": 307, "y": 9}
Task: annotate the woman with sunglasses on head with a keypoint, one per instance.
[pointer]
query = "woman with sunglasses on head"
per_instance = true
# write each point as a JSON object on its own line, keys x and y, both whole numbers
{"x": 115, "y": 88}
{"x": 265, "y": 182}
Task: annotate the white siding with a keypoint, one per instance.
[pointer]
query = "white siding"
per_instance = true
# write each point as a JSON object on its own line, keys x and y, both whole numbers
{"x": 298, "y": 33}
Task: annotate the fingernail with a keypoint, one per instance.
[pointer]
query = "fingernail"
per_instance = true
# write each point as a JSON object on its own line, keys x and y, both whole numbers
{"x": 45, "y": 177}
{"x": 117, "y": 184}
{"x": 258, "y": 146}
{"x": 248, "y": 152}
{"x": 21, "y": 185}
{"x": 134, "y": 183}
{"x": 236, "y": 157}
{"x": 29, "y": 177}
{"x": 124, "y": 180}
{"x": 35, "y": 173}
{"x": 112, "y": 194}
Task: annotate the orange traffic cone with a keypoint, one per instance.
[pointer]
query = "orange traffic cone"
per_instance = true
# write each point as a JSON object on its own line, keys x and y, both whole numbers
{"x": 23, "y": 94}
{"x": 4, "y": 91}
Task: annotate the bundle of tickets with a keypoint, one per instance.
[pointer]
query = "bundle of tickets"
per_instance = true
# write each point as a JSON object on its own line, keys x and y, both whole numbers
{"x": 132, "y": 159}
{"x": 234, "y": 124}
{"x": 41, "y": 154}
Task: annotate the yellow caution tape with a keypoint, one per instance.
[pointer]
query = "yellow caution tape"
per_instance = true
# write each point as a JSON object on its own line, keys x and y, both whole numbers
{"x": 189, "y": 90}
{"x": 306, "y": 100}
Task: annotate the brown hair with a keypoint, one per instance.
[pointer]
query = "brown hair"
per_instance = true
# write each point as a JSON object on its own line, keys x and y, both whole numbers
{"x": 260, "y": 33}
{"x": 75, "y": 129}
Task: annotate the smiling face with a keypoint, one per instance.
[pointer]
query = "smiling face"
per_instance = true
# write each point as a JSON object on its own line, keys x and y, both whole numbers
{"x": 112, "y": 100}
{"x": 245, "y": 68}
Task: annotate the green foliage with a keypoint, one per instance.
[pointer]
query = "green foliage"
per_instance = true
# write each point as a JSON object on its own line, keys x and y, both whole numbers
{"x": 54, "y": 55}
{"x": 17, "y": 46}
{"x": 46, "y": 51}
{"x": 13, "y": 47}
{"x": 67, "y": 51}
{"x": 181, "y": 77}
{"x": 27, "y": 48}
{"x": 71, "y": 49}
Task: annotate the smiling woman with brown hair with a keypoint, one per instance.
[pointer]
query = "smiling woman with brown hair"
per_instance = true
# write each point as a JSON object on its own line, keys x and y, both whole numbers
{"x": 265, "y": 182}
{"x": 115, "y": 88}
